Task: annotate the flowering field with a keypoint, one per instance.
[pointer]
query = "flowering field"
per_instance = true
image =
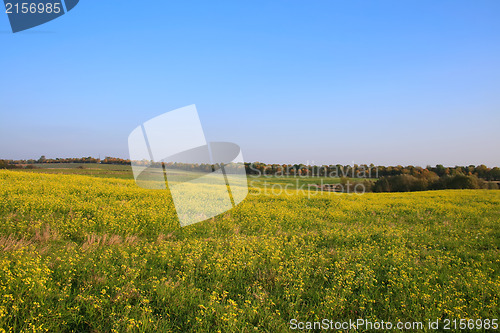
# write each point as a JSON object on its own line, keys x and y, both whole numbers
{"x": 87, "y": 254}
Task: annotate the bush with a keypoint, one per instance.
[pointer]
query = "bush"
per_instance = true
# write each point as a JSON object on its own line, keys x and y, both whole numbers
{"x": 31, "y": 166}
{"x": 401, "y": 183}
{"x": 382, "y": 185}
{"x": 492, "y": 186}
{"x": 459, "y": 181}
{"x": 6, "y": 165}
{"x": 407, "y": 183}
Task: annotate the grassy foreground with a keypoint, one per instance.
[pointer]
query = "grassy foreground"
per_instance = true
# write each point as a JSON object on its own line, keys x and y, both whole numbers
{"x": 87, "y": 254}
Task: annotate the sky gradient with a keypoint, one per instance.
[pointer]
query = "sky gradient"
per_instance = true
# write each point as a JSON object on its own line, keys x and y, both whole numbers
{"x": 321, "y": 82}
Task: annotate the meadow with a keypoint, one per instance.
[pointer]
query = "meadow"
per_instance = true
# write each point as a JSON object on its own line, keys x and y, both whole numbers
{"x": 86, "y": 250}
{"x": 125, "y": 172}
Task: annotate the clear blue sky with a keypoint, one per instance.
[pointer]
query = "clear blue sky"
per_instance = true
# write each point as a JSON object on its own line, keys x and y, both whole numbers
{"x": 388, "y": 82}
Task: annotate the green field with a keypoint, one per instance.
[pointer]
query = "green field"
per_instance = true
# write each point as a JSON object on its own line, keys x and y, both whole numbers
{"x": 125, "y": 172}
{"x": 86, "y": 250}
{"x": 87, "y": 169}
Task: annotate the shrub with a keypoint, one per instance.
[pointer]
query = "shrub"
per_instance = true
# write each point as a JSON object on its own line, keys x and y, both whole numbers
{"x": 459, "y": 181}
{"x": 6, "y": 165}
{"x": 401, "y": 183}
{"x": 492, "y": 186}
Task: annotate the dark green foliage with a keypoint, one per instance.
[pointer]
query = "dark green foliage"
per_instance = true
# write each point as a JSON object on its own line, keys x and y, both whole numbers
{"x": 6, "y": 165}
{"x": 458, "y": 182}
{"x": 407, "y": 183}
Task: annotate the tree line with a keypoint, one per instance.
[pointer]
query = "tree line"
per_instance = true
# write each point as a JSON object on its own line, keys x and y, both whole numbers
{"x": 384, "y": 178}
{"x": 371, "y": 171}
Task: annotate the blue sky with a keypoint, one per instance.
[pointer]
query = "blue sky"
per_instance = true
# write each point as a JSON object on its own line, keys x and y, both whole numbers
{"x": 384, "y": 82}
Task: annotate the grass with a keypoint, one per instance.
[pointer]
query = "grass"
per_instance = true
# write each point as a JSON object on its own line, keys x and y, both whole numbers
{"x": 80, "y": 253}
{"x": 125, "y": 172}
{"x": 86, "y": 169}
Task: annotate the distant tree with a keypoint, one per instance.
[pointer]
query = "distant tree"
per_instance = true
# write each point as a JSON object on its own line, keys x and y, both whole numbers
{"x": 495, "y": 173}
{"x": 458, "y": 182}
{"x": 482, "y": 171}
{"x": 382, "y": 185}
